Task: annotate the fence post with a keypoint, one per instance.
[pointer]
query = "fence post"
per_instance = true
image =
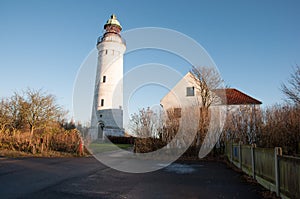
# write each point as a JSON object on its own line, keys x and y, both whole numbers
{"x": 278, "y": 152}
{"x": 240, "y": 154}
{"x": 231, "y": 151}
{"x": 253, "y": 159}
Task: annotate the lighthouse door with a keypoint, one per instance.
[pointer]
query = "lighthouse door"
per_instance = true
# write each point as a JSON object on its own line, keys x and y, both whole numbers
{"x": 100, "y": 129}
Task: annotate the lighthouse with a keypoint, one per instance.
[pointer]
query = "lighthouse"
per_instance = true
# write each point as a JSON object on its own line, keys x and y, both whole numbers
{"x": 107, "y": 112}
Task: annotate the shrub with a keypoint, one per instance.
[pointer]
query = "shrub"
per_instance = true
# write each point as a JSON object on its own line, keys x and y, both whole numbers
{"x": 146, "y": 145}
{"x": 121, "y": 140}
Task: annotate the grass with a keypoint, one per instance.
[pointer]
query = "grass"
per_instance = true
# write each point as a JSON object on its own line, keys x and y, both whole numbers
{"x": 104, "y": 147}
{"x": 17, "y": 154}
{"x": 94, "y": 147}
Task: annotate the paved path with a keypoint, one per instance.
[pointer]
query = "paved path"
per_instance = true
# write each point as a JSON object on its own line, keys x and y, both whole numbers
{"x": 87, "y": 178}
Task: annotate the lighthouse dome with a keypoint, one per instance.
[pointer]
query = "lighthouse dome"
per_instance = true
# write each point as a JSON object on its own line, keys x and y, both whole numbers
{"x": 113, "y": 21}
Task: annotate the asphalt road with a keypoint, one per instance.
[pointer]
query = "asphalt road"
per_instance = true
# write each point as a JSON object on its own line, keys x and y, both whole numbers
{"x": 87, "y": 178}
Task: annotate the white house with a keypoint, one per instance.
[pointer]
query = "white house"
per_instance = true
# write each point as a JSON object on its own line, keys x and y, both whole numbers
{"x": 185, "y": 94}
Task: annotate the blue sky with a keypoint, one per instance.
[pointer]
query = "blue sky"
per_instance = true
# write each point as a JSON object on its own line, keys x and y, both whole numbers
{"x": 253, "y": 43}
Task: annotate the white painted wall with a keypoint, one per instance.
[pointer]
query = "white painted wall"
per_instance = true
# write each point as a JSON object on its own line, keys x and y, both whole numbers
{"x": 110, "y": 64}
{"x": 177, "y": 97}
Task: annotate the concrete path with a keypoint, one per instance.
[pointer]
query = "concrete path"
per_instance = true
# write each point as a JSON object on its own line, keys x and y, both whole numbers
{"x": 87, "y": 178}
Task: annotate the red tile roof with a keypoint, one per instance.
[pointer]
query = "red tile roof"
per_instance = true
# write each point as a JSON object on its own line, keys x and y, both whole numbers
{"x": 235, "y": 97}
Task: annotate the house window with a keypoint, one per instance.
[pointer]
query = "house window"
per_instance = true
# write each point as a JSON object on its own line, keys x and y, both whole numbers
{"x": 190, "y": 91}
{"x": 104, "y": 79}
{"x": 102, "y": 102}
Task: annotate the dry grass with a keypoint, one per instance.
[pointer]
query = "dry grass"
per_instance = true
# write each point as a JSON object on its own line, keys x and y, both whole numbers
{"x": 55, "y": 142}
{"x": 17, "y": 154}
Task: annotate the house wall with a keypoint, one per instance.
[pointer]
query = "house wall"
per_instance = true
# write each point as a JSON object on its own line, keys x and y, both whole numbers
{"x": 177, "y": 97}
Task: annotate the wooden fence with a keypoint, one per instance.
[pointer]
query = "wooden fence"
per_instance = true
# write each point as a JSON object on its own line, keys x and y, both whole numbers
{"x": 269, "y": 167}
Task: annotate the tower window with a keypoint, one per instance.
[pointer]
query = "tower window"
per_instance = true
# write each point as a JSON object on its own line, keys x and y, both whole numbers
{"x": 102, "y": 102}
{"x": 104, "y": 79}
{"x": 190, "y": 91}
{"x": 106, "y": 52}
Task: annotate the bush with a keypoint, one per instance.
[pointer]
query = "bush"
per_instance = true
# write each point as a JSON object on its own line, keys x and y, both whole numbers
{"x": 57, "y": 139}
{"x": 121, "y": 140}
{"x": 275, "y": 126}
{"x": 146, "y": 145}
{"x": 281, "y": 128}
{"x": 65, "y": 141}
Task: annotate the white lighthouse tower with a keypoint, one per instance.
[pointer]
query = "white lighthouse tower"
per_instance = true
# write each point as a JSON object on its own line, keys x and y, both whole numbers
{"x": 107, "y": 116}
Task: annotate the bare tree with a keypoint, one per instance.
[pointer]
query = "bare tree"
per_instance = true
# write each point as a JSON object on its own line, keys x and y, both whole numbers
{"x": 281, "y": 127}
{"x": 34, "y": 116}
{"x": 146, "y": 123}
{"x": 292, "y": 90}
{"x": 10, "y": 114}
{"x": 243, "y": 123}
{"x": 171, "y": 125}
{"x": 14, "y": 111}
{"x": 180, "y": 123}
{"x": 38, "y": 109}
{"x": 4, "y": 119}
{"x": 206, "y": 80}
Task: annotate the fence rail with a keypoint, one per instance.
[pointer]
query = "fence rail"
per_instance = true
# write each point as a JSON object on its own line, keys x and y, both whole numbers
{"x": 269, "y": 167}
